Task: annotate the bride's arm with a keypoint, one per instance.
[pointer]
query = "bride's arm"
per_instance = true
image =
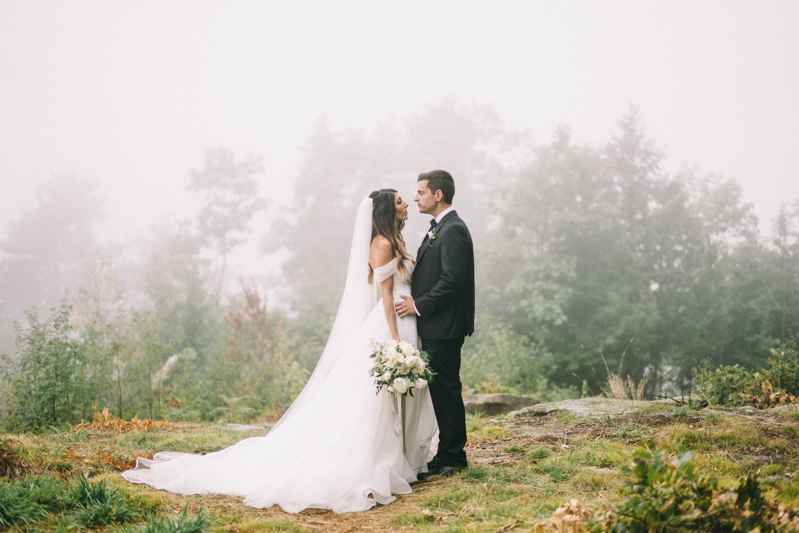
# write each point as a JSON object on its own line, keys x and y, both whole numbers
{"x": 387, "y": 290}
{"x": 381, "y": 254}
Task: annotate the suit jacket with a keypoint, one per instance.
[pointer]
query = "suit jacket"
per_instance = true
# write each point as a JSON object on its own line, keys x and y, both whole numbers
{"x": 443, "y": 282}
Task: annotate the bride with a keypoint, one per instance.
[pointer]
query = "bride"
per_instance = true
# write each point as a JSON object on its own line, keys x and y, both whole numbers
{"x": 340, "y": 446}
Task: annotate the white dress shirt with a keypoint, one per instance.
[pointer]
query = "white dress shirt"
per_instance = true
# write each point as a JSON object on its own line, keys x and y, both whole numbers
{"x": 444, "y": 213}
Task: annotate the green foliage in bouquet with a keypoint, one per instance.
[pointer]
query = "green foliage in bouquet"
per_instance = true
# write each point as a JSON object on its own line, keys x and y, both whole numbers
{"x": 400, "y": 367}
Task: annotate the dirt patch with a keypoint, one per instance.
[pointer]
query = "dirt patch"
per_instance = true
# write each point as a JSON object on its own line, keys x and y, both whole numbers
{"x": 380, "y": 518}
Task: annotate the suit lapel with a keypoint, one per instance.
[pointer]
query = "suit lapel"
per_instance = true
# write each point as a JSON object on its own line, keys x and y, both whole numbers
{"x": 426, "y": 241}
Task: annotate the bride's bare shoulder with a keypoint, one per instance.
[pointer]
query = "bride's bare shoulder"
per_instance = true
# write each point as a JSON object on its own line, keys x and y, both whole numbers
{"x": 381, "y": 243}
{"x": 380, "y": 252}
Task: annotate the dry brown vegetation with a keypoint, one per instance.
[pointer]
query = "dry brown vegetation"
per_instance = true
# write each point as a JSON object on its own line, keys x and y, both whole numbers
{"x": 522, "y": 470}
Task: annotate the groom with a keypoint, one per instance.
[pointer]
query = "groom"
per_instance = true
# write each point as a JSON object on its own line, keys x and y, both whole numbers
{"x": 442, "y": 290}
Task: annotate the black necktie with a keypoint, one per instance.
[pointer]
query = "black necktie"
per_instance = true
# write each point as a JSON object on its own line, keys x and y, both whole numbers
{"x": 433, "y": 224}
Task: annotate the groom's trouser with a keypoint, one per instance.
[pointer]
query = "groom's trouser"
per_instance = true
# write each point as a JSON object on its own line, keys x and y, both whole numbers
{"x": 446, "y": 393}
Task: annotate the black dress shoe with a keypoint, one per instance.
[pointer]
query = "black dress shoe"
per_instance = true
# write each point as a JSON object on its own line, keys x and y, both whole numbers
{"x": 435, "y": 463}
{"x": 445, "y": 470}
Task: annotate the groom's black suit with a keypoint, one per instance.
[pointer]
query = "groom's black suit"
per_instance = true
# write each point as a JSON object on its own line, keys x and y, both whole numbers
{"x": 443, "y": 291}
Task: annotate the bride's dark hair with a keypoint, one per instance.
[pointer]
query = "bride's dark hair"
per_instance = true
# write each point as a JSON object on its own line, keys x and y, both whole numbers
{"x": 386, "y": 223}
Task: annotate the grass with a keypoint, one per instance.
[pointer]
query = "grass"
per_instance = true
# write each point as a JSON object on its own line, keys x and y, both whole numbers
{"x": 522, "y": 477}
{"x": 618, "y": 388}
{"x": 49, "y": 500}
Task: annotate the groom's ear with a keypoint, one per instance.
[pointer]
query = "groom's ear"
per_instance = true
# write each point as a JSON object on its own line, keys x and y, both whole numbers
{"x": 438, "y": 195}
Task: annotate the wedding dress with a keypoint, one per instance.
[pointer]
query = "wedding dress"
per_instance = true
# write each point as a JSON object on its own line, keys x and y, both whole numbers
{"x": 340, "y": 446}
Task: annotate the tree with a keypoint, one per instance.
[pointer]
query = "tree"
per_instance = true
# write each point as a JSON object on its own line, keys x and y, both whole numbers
{"x": 341, "y": 168}
{"x": 231, "y": 200}
{"x": 102, "y": 320}
{"x": 176, "y": 282}
{"x": 42, "y": 251}
{"x": 785, "y": 289}
{"x": 598, "y": 247}
{"x": 252, "y": 367}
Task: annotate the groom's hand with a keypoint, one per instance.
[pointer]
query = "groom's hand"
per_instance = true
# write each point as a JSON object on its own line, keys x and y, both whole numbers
{"x": 405, "y": 307}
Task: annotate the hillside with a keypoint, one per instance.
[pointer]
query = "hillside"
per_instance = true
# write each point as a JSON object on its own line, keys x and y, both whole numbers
{"x": 523, "y": 467}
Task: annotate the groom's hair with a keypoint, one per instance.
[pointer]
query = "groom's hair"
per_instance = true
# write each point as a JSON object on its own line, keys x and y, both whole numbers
{"x": 439, "y": 180}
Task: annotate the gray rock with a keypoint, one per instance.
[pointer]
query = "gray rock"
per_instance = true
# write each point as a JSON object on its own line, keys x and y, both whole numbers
{"x": 680, "y": 400}
{"x": 786, "y": 409}
{"x": 587, "y": 408}
{"x": 720, "y": 411}
{"x": 494, "y": 404}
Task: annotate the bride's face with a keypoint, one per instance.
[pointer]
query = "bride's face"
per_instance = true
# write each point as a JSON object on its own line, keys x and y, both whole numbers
{"x": 402, "y": 207}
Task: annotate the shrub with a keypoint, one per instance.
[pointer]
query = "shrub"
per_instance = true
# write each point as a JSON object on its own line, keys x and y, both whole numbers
{"x": 49, "y": 384}
{"x": 735, "y": 386}
{"x": 500, "y": 360}
{"x": 668, "y": 496}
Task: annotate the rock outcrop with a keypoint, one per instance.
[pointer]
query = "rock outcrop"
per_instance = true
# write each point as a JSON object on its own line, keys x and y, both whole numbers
{"x": 588, "y": 408}
{"x": 495, "y": 404}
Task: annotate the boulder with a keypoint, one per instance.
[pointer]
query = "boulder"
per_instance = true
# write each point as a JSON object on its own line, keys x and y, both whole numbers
{"x": 790, "y": 409}
{"x": 495, "y": 404}
{"x": 593, "y": 408}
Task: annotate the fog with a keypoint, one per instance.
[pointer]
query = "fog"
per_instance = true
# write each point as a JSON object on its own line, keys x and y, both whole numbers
{"x": 131, "y": 94}
{"x": 138, "y": 98}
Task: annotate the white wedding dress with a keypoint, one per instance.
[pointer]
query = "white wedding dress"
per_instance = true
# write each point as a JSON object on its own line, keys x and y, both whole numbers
{"x": 340, "y": 446}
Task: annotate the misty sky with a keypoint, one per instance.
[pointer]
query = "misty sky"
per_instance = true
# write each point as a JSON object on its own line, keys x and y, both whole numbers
{"x": 130, "y": 94}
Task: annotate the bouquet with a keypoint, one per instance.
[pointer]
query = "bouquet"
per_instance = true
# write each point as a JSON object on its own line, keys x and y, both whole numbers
{"x": 400, "y": 367}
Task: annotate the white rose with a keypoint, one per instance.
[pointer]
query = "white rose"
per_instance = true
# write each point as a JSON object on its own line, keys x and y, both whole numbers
{"x": 414, "y": 361}
{"x": 386, "y": 376}
{"x": 420, "y": 383}
{"x": 406, "y": 347}
{"x": 390, "y": 352}
{"x": 400, "y": 385}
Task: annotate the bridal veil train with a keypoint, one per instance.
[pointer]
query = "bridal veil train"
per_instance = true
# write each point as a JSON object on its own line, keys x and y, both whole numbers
{"x": 336, "y": 447}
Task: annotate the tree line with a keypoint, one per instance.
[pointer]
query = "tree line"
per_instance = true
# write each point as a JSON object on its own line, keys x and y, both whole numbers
{"x": 589, "y": 258}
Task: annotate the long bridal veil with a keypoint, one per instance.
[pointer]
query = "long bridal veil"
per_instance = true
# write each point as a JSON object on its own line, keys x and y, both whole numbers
{"x": 356, "y": 303}
{"x": 336, "y": 447}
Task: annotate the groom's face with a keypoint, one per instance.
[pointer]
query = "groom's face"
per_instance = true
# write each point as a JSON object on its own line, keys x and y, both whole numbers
{"x": 425, "y": 198}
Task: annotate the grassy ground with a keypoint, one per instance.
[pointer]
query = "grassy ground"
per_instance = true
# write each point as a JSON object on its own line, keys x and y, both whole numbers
{"x": 521, "y": 470}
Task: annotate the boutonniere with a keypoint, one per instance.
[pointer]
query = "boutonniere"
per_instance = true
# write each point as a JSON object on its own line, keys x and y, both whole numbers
{"x": 432, "y": 234}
